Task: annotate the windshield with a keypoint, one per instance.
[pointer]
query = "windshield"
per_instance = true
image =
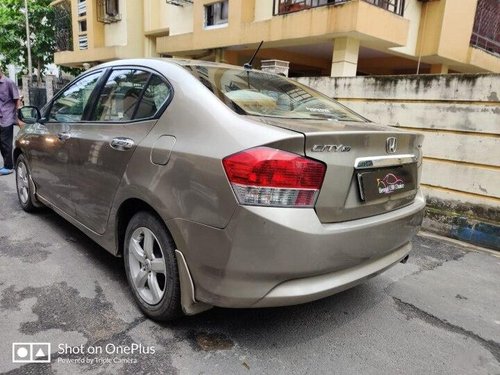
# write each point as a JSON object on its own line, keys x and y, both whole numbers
{"x": 263, "y": 94}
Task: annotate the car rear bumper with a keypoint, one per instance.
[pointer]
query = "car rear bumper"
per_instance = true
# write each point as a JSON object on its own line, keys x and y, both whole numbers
{"x": 274, "y": 256}
{"x": 308, "y": 289}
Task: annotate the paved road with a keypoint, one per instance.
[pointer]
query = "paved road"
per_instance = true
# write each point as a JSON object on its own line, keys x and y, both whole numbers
{"x": 438, "y": 314}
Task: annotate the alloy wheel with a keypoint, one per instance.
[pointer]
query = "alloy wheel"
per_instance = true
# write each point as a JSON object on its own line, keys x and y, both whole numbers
{"x": 22, "y": 182}
{"x": 147, "y": 265}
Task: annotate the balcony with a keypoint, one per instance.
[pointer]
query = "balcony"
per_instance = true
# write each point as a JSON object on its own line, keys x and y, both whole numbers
{"x": 282, "y": 7}
{"x": 485, "y": 34}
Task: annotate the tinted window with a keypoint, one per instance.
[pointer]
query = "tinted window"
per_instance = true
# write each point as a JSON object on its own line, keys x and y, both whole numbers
{"x": 264, "y": 94}
{"x": 120, "y": 95}
{"x": 69, "y": 106}
{"x": 155, "y": 95}
{"x": 131, "y": 94}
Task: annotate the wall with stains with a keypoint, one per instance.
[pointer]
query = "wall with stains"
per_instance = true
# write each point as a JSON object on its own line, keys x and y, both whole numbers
{"x": 459, "y": 114}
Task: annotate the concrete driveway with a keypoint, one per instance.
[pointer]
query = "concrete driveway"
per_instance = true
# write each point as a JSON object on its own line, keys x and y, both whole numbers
{"x": 438, "y": 314}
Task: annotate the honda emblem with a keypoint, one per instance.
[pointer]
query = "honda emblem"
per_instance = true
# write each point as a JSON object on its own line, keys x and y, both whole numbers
{"x": 391, "y": 145}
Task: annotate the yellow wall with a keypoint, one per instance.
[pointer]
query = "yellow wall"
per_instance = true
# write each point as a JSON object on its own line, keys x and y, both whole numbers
{"x": 263, "y": 10}
{"x": 437, "y": 31}
{"x": 431, "y": 23}
{"x": 458, "y": 22}
{"x": 325, "y": 23}
{"x": 413, "y": 13}
{"x": 445, "y": 29}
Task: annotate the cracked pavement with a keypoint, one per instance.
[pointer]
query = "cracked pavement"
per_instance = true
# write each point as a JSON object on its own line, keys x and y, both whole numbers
{"x": 437, "y": 314}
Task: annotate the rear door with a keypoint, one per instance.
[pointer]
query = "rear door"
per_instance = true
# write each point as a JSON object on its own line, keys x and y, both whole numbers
{"x": 53, "y": 146}
{"x": 124, "y": 112}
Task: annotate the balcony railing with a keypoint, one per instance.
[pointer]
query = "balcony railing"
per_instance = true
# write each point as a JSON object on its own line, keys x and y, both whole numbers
{"x": 486, "y": 31}
{"x": 282, "y": 7}
{"x": 291, "y": 6}
{"x": 394, "y": 6}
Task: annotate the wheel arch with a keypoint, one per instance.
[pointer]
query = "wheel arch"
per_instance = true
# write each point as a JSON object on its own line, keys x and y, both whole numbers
{"x": 17, "y": 152}
{"x": 126, "y": 211}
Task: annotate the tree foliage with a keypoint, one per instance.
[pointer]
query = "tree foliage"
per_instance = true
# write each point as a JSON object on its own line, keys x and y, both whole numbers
{"x": 13, "y": 33}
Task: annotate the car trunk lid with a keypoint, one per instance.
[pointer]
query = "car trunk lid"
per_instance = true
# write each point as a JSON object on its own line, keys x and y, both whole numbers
{"x": 371, "y": 169}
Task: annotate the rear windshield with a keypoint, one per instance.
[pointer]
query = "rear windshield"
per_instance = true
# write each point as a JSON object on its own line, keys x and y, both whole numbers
{"x": 263, "y": 94}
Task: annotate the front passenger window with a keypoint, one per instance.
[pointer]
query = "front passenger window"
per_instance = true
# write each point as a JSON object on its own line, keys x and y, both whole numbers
{"x": 69, "y": 106}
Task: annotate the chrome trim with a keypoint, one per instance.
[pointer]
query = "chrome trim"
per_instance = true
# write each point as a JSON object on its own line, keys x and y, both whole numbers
{"x": 122, "y": 143}
{"x": 64, "y": 136}
{"x": 384, "y": 161}
{"x": 391, "y": 145}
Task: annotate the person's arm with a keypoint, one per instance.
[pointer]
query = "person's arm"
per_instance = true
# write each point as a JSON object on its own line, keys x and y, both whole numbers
{"x": 19, "y": 104}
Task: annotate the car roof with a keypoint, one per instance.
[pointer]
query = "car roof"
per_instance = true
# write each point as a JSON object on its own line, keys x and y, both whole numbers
{"x": 167, "y": 60}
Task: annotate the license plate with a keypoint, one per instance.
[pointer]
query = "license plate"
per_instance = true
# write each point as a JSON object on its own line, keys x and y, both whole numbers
{"x": 384, "y": 182}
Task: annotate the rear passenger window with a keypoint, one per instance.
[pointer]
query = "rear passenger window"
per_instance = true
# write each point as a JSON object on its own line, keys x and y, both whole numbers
{"x": 155, "y": 95}
{"x": 120, "y": 95}
{"x": 131, "y": 94}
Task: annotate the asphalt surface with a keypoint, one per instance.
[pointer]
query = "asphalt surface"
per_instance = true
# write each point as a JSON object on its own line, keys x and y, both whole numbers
{"x": 437, "y": 314}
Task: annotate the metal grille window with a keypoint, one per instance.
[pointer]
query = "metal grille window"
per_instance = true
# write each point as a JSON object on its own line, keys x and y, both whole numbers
{"x": 486, "y": 31}
{"x": 216, "y": 13}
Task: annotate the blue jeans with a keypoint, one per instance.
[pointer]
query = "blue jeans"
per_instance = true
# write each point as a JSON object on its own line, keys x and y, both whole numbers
{"x": 6, "y": 138}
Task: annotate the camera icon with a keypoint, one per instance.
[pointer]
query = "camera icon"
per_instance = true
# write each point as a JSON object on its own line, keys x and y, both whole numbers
{"x": 31, "y": 352}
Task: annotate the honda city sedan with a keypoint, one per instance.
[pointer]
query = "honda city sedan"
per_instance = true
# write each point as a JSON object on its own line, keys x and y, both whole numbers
{"x": 221, "y": 185}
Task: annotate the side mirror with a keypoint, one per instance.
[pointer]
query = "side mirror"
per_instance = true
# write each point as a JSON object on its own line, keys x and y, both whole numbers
{"x": 29, "y": 114}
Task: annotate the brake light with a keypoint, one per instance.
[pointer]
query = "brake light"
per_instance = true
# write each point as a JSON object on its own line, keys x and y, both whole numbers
{"x": 265, "y": 176}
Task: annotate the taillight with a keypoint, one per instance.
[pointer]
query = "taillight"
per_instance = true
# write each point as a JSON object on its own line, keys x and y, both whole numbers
{"x": 265, "y": 176}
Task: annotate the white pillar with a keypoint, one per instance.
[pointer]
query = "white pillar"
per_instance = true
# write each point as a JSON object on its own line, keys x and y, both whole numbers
{"x": 12, "y": 72}
{"x": 26, "y": 89}
{"x": 345, "y": 57}
{"x": 49, "y": 86}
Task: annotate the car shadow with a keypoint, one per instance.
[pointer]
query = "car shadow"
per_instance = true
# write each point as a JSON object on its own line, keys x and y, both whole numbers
{"x": 261, "y": 329}
{"x": 102, "y": 259}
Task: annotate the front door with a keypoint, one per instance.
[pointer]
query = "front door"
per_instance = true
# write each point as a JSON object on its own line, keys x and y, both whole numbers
{"x": 53, "y": 146}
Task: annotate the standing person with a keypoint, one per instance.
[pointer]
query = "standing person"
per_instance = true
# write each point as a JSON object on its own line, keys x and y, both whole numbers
{"x": 9, "y": 102}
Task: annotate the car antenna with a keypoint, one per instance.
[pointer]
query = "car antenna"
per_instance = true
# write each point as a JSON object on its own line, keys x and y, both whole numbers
{"x": 248, "y": 65}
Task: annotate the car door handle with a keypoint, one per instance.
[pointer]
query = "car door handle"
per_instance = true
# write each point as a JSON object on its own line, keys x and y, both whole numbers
{"x": 122, "y": 143}
{"x": 64, "y": 136}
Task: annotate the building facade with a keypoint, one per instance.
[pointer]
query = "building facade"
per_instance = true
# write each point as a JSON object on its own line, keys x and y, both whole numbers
{"x": 317, "y": 37}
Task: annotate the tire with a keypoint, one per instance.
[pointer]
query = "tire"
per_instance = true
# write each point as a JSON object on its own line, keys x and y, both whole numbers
{"x": 25, "y": 194}
{"x": 151, "y": 267}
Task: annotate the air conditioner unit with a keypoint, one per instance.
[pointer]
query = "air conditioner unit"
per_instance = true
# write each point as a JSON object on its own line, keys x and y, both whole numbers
{"x": 108, "y": 11}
